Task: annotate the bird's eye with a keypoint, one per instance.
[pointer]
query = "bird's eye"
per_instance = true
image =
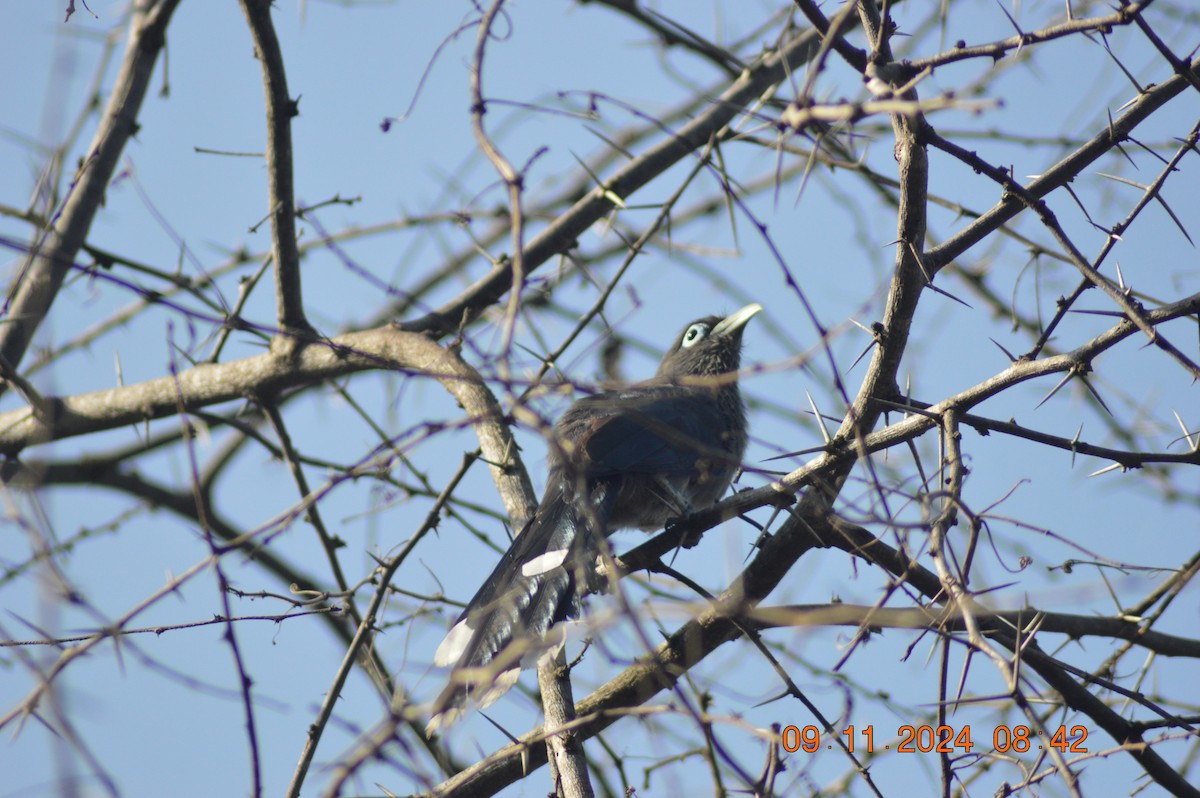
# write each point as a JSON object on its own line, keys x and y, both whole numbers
{"x": 694, "y": 334}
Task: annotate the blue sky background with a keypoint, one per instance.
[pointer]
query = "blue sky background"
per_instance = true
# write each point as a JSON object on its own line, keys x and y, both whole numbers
{"x": 163, "y": 713}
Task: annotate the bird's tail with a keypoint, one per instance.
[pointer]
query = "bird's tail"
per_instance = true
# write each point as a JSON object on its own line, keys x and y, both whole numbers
{"x": 507, "y": 626}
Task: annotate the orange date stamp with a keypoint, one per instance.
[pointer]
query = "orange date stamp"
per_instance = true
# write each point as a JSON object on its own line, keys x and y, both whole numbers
{"x": 934, "y": 739}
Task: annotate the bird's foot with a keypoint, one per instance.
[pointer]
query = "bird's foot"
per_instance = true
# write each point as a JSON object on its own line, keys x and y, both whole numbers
{"x": 687, "y": 538}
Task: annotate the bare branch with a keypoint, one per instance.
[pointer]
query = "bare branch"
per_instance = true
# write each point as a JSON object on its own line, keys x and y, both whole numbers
{"x": 281, "y": 199}
{"x": 37, "y": 283}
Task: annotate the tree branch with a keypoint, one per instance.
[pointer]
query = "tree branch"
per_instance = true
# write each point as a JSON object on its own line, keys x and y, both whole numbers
{"x": 37, "y": 284}
{"x": 562, "y": 233}
{"x": 281, "y": 108}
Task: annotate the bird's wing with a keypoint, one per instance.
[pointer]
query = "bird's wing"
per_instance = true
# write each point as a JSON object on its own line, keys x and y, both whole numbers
{"x": 650, "y": 430}
{"x": 645, "y": 430}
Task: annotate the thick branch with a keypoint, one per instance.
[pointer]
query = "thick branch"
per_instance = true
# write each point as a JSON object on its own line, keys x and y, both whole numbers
{"x": 289, "y": 300}
{"x": 212, "y": 383}
{"x": 38, "y": 284}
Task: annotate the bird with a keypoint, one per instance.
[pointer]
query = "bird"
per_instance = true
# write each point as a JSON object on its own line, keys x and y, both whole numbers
{"x": 631, "y": 458}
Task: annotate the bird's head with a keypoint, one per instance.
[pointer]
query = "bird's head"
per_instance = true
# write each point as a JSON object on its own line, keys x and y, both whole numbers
{"x": 709, "y": 346}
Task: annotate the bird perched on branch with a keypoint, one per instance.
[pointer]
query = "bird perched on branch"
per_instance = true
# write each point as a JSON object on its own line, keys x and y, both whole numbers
{"x": 630, "y": 458}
